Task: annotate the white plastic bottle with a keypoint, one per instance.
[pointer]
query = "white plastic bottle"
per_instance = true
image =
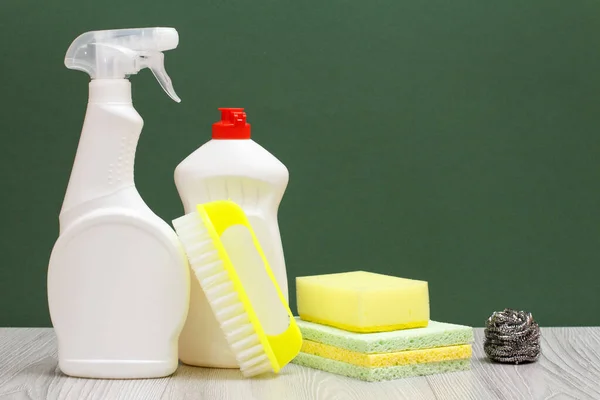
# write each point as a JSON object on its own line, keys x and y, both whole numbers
{"x": 118, "y": 279}
{"x": 230, "y": 166}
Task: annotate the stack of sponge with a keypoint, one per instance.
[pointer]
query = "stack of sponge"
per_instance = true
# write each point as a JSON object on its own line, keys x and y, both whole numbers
{"x": 375, "y": 327}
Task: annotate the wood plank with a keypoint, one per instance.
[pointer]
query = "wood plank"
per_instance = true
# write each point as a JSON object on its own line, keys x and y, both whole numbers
{"x": 569, "y": 368}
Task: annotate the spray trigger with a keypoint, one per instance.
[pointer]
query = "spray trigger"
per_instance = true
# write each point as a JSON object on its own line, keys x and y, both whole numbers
{"x": 156, "y": 63}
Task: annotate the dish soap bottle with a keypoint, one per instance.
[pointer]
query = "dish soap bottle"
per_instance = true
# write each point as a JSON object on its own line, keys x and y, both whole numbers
{"x": 118, "y": 278}
{"x": 231, "y": 166}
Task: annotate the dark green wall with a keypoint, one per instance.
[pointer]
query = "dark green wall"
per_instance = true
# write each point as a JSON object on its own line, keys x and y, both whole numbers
{"x": 452, "y": 141}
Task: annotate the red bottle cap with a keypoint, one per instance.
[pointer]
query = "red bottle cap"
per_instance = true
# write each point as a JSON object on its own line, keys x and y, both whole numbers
{"x": 232, "y": 125}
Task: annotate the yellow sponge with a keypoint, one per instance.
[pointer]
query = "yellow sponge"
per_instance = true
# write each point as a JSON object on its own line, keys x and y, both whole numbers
{"x": 363, "y": 301}
{"x": 406, "y": 357}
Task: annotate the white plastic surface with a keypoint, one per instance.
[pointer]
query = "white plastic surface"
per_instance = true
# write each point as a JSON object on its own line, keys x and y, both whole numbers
{"x": 118, "y": 53}
{"x": 118, "y": 279}
{"x": 261, "y": 292}
{"x": 246, "y": 173}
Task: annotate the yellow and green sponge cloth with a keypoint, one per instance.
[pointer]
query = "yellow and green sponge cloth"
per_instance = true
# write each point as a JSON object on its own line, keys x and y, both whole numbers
{"x": 375, "y": 327}
{"x": 439, "y": 347}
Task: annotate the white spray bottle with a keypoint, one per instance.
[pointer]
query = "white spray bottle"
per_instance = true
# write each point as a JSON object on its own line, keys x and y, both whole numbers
{"x": 118, "y": 279}
{"x": 234, "y": 167}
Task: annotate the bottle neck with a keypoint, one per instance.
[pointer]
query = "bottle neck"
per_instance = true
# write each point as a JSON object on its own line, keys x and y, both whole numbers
{"x": 104, "y": 163}
{"x": 115, "y": 91}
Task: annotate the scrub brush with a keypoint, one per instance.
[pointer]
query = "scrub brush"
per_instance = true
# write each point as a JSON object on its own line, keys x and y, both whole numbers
{"x": 234, "y": 274}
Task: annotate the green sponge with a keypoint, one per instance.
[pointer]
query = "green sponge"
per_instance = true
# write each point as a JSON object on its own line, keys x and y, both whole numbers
{"x": 380, "y": 374}
{"x": 436, "y": 334}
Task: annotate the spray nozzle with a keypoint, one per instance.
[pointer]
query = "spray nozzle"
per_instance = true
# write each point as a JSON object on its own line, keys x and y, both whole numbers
{"x": 116, "y": 54}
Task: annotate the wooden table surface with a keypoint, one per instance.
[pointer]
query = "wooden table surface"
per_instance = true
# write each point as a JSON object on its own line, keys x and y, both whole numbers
{"x": 568, "y": 369}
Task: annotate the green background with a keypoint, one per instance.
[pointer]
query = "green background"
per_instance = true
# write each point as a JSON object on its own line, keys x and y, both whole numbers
{"x": 456, "y": 142}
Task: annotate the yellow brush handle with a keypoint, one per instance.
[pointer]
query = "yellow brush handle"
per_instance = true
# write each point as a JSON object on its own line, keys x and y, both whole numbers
{"x": 218, "y": 216}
